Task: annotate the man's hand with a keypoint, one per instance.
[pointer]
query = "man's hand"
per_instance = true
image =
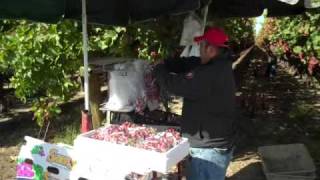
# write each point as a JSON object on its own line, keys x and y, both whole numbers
{"x": 158, "y": 69}
{"x": 154, "y": 63}
{"x": 160, "y": 74}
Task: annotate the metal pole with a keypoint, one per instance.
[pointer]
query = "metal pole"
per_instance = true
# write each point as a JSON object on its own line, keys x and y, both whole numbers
{"x": 205, "y": 15}
{"x": 85, "y": 55}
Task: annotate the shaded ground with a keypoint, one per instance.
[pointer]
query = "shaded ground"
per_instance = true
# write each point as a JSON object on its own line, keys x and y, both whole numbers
{"x": 285, "y": 111}
{"x": 12, "y": 134}
{"x": 278, "y": 111}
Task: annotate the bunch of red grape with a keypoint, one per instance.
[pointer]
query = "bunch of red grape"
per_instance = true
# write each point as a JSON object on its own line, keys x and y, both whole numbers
{"x": 163, "y": 141}
{"x": 139, "y": 136}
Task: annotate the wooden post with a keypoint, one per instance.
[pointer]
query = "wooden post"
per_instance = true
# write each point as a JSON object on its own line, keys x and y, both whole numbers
{"x": 95, "y": 100}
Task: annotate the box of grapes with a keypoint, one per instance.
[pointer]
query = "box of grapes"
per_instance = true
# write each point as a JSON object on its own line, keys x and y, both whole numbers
{"x": 136, "y": 148}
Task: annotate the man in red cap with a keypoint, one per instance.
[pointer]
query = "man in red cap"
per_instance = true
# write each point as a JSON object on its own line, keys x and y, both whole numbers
{"x": 208, "y": 114}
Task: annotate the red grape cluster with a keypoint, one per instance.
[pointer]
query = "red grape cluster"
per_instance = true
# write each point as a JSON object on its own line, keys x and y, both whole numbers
{"x": 139, "y": 136}
{"x": 140, "y": 105}
{"x": 152, "y": 89}
{"x": 163, "y": 141}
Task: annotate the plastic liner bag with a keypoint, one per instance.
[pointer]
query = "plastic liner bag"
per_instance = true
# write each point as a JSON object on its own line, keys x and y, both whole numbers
{"x": 132, "y": 88}
{"x": 126, "y": 87}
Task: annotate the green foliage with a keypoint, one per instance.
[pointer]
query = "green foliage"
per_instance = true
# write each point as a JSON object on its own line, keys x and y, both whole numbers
{"x": 68, "y": 133}
{"x": 301, "y": 33}
{"x": 301, "y": 113}
{"x": 143, "y": 41}
{"x": 45, "y": 109}
{"x": 46, "y": 58}
{"x": 5, "y": 26}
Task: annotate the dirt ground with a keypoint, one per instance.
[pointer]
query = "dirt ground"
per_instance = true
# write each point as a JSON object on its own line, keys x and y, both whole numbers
{"x": 283, "y": 110}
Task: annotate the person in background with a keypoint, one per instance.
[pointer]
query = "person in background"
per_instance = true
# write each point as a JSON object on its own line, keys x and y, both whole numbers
{"x": 271, "y": 70}
{"x": 208, "y": 115}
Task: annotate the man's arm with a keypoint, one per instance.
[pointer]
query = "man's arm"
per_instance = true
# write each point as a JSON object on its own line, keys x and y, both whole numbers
{"x": 192, "y": 85}
{"x": 182, "y": 65}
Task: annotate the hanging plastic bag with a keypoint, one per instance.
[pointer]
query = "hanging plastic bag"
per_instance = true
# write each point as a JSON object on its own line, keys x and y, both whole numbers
{"x": 185, "y": 52}
{"x": 195, "y": 51}
{"x": 126, "y": 87}
{"x": 192, "y": 27}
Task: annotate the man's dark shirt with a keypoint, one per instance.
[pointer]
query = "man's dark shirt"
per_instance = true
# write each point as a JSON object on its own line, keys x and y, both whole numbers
{"x": 208, "y": 114}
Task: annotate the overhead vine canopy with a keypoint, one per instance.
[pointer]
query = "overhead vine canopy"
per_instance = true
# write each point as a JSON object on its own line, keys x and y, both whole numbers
{"x": 123, "y": 12}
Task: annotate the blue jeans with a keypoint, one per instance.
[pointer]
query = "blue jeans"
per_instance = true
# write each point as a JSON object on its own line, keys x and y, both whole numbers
{"x": 208, "y": 163}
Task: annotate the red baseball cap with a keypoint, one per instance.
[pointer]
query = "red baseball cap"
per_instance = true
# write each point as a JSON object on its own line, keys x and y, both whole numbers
{"x": 214, "y": 36}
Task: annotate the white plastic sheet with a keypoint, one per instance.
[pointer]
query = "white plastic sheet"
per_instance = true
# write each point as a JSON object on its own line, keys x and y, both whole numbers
{"x": 132, "y": 87}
